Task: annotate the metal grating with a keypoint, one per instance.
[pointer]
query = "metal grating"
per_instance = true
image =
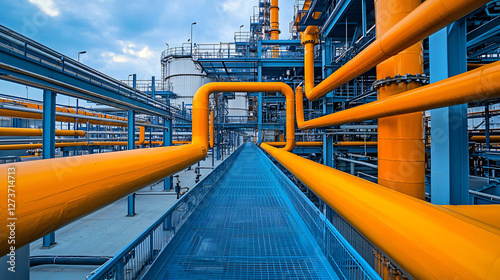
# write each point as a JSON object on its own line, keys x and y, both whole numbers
{"x": 246, "y": 230}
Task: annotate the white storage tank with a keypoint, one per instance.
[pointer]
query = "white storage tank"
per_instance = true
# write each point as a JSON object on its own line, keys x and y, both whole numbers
{"x": 185, "y": 76}
{"x": 238, "y": 107}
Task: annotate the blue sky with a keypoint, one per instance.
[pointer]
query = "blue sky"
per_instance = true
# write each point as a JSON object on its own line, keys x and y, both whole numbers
{"x": 122, "y": 37}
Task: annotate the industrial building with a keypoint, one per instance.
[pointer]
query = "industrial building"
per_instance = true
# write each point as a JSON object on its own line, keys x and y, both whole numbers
{"x": 364, "y": 146}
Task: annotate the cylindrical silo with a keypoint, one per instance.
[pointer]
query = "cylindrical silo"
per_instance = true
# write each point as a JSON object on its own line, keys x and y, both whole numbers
{"x": 185, "y": 77}
{"x": 238, "y": 107}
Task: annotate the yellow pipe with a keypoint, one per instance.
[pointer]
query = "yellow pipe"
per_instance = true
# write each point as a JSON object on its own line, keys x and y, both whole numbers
{"x": 142, "y": 133}
{"x": 425, "y": 240}
{"x": 200, "y": 106}
{"x": 51, "y": 193}
{"x": 482, "y": 139}
{"x": 401, "y": 151}
{"x": 297, "y": 144}
{"x": 308, "y": 40}
{"x": 475, "y": 85}
{"x": 320, "y": 143}
{"x": 211, "y": 128}
{"x": 427, "y": 18}
{"x": 487, "y": 214}
{"x": 275, "y": 26}
{"x": 12, "y": 131}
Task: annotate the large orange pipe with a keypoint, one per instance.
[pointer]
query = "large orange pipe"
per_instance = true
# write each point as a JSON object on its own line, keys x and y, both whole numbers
{"x": 13, "y": 131}
{"x": 425, "y": 240}
{"x": 429, "y": 17}
{"x": 401, "y": 151}
{"x": 51, "y": 193}
{"x": 275, "y": 26}
{"x": 476, "y": 85}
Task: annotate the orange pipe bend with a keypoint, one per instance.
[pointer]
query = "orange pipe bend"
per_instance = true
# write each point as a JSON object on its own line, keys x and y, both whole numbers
{"x": 13, "y": 131}
{"x": 425, "y": 240}
{"x": 475, "y": 85}
{"x": 51, "y": 193}
{"x": 427, "y": 18}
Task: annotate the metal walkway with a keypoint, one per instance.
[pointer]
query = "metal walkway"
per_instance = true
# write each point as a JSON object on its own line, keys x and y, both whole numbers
{"x": 247, "y": 229}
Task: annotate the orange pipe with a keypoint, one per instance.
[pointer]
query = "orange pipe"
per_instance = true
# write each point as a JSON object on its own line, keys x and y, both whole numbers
{"x": 320, "y": 143}
{"x": 425, "y": 240}
{"x": 200, "y": 106}
{"x": 427, "y": 18}
{"x": 482, "y": 139}
{"x": 275, "y": 26}
{"x": 211, "y": 128}
{"x": 51, "y": 193}
{"x": 475, "y": 85}
{"x": 487, "y": 214}
{"x": 142, "y": 133}
{"x": 12, "y": 131}
{"x": 309, "y": 39}
{"x": 401, "y": 151}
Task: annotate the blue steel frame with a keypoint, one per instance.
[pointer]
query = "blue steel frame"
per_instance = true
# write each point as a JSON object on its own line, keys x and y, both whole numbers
{"x": 131, "y": 146}
{"x": 449, "y": 134}
{"x": 49, "y": 143}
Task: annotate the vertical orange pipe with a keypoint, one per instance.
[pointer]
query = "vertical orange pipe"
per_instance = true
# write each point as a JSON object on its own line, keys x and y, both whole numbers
{"x": 400, "y": 144}
{"x": 309, "y": 38}
{"x": 211, "y": 128}
{"x": 275, "y": 26}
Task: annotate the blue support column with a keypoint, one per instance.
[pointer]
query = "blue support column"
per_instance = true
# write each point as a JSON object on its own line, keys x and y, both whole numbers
{"x": 327, "y": 104}
{"x": 259, "y": 104}
{"x": 167, "y": 141}
{"x": 49, "y": 143}
{"x": 449, "y": 146}
{"x": 131, "y": 146}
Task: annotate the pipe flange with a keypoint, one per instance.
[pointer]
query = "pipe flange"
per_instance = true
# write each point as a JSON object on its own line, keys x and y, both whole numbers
{"x": 408, "y": 78}
{"x": 309, "y": 41}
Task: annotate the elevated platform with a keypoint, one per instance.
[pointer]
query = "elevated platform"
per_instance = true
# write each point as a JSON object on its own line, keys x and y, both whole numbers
{"x": 247, "y": 229}
{"x": 244, "y": 220}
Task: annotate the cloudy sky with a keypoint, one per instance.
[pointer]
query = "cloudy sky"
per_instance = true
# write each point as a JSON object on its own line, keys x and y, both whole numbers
{"x": 122, "y": 37}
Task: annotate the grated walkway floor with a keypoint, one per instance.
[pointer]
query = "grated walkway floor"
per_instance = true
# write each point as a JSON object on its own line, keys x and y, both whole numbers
{"x": 246, "y": 230}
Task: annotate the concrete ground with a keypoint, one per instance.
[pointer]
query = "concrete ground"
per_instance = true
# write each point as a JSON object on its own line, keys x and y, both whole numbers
{"x": 107, "y": 231}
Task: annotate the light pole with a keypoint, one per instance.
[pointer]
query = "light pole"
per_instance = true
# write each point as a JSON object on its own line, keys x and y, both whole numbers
{"x": 192, "y": 37}
{"x": 241, "y": 26}
{"x": 82, "y": 52}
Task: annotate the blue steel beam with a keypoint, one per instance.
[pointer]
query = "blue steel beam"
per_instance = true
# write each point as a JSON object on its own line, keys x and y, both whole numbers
{"x": 334, "y": 17}
{"x": 449, "y": 147}
{"x": 131, "y": 145}
{"x": 27, "y": 62}
{"x": 49, "y": 143}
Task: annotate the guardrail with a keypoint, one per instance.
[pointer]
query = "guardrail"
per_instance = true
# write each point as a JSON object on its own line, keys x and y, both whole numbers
{"x": 133, "y": 261}
{"x": 347, "y": 261}
{"x": 21, "y": 46}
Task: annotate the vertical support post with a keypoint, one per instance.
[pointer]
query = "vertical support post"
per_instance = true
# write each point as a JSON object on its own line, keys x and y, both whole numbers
{"x": 363, "y": 16}
{"x": 167, "y": 141}
{"x": 259, "y": 99}
{"x": 487, "y": 136}
{"x": 131, "y": 146}
{"x": 49, "y": 143}
{"x": 449, "y": 146}
{"x": 327, "y": 103}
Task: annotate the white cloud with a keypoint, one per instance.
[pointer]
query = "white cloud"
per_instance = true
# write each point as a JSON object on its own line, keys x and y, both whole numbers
{"x": 47, "y": 6}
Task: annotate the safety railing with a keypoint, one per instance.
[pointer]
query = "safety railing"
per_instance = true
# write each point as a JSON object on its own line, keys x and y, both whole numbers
{"x": 341, "y": 253}
{"x": 21, "y": 46}
{"x": 133, "y": 261}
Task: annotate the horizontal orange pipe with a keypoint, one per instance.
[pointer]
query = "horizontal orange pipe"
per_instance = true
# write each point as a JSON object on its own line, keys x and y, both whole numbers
{"x": 320, "y": 143}
{"x": 487, "y": 214}
{"x": 142, "y": 131}
{"x": 51, "y": 193}
{"x": 482, "y": 139}
{"x": 13, "y": 131}
{"x": 427, "y": 18}
{"x": 301, "y": 144}
{"x": 475, "y": 85}
{"x": 425, "y": 240}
